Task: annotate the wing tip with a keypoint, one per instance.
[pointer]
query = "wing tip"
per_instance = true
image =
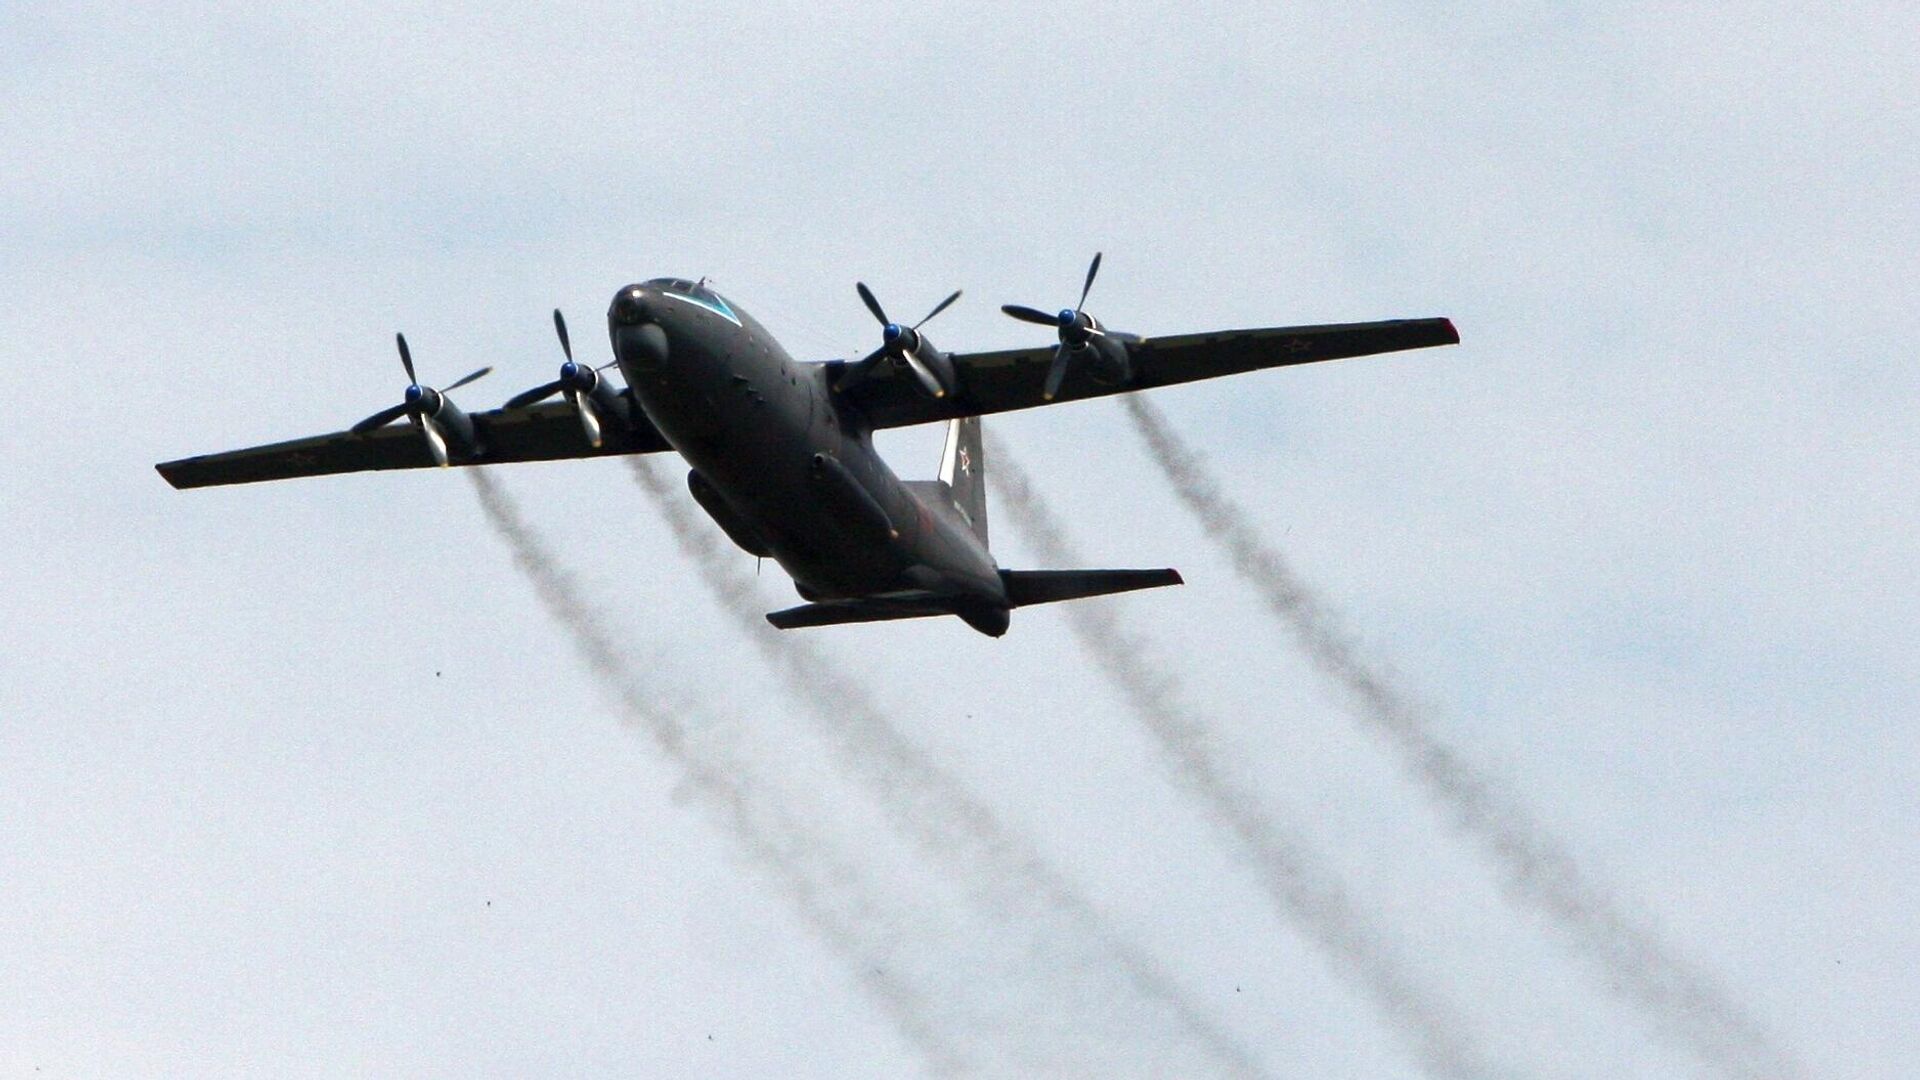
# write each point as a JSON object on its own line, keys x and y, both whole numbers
{"x": 170, "y": 472}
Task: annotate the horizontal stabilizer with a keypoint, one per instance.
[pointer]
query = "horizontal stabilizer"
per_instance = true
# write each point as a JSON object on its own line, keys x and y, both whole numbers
{"x": 1024, "y": 588}
{"x": 1027, "y": 587}
{"x": 866, "y": 609}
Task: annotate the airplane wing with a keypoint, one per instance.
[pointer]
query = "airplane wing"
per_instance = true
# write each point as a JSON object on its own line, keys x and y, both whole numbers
{"x": 542, "y": 432}
{"x": 994, "y": 382}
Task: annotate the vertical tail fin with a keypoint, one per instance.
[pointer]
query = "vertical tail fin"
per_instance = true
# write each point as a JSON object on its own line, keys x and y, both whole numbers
{"x": 963, "y": 468}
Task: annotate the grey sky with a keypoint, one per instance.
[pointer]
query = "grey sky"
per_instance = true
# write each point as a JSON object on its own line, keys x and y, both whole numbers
{"x": 300, "y": 778}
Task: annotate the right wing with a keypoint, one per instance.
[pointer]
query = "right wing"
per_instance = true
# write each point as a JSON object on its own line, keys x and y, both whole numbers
{"x": 994, "y": 382}
{"x": 543, "y": 432}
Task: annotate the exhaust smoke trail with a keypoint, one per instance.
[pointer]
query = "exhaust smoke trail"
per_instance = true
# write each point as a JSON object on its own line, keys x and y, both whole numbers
{"x": 764, "y": 822}
{"x": 1306, "y": 890}
{"x": 1005, "y": 877}
{"x": 1685, "y": 1005}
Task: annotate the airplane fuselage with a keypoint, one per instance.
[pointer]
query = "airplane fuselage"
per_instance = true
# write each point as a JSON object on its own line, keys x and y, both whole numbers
{"x": 783, "y": 464}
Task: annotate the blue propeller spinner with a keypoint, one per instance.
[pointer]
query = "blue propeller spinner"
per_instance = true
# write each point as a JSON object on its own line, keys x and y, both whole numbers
{"x": 577, "y": 381}
{"x": 905, "y": 347}
{"x": 1075, "y": 326}
{"x": 420, "y": 404}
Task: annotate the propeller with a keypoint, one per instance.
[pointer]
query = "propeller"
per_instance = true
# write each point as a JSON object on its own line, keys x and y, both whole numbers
{"x": 421, "y": 404}
{"x": 902, "y": 343}
{"x": 577, "y": 381}
{"x": 1075, "y": 326}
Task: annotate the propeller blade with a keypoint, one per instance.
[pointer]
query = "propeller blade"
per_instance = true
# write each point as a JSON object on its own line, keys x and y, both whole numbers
{"x": 866, "y": 296}
{"x": 436, "y": 442}
{"x": 589, "y": 419}
{"x": 1027, "y": 314}
{"x": 1088, "y": 287}
{"x": 1056, "y": 372}
{"x": 560, "y": 327}
{"x": 406, "y": 358}
{"x": 926, "y": 376}
{"x": 538, "y": 393}
{"x": 471, "y": 376}
{"x": 380, "y": 419}
{"x": 943, "y": 305}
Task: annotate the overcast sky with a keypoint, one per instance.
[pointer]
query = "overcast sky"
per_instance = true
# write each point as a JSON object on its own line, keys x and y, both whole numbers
{"x": 300, "y": 779}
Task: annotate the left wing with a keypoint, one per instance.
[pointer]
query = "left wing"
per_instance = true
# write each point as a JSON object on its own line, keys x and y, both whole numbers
{"x": 543, "y": 432}
{"x": 1013, "y": 379}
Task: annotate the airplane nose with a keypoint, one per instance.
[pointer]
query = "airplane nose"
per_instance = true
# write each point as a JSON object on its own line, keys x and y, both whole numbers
{"x": 629, "y": 307}
{"x": 642, "y": 346}
{"x": 638, "y": 341}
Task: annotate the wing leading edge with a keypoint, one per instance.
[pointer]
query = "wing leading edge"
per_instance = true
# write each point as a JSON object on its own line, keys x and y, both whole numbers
{"x": 1013, "y": 379}
{"x": 545, "y": 432}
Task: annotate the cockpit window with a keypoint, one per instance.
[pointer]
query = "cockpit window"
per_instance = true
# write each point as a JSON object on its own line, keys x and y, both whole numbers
{"x": 697, "y": 294}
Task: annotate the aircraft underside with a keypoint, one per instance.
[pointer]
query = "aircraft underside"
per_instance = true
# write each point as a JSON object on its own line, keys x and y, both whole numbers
{"x": 781, "y": 452}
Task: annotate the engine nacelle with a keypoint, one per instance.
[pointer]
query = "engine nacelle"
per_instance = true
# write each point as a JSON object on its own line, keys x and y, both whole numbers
{"x": 617, "y": 404}
{"x": 937, "y": 362}
{"x": 1107, "y": 360}
{"x": 738, "y": 530}
{"x": 454, "y": 425}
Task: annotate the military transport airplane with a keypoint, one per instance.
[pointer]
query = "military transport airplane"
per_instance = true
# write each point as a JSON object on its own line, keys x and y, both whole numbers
{"x": 782, "y": 452}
